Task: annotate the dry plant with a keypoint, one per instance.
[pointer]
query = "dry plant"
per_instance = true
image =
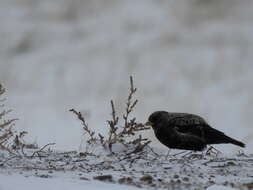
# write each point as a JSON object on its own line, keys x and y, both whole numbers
{"x": 11, "y": 140}
{"x": 124, "y": 134}
{"x": 85, "y": 126}
{"x": 130, "y": 127}
{"x": 6, "y": 125}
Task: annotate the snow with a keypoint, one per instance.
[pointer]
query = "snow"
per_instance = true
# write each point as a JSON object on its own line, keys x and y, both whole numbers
{"x": 21, "y": 182}
{"x": 151, "y": 168}
{"x": 219, "y": 187}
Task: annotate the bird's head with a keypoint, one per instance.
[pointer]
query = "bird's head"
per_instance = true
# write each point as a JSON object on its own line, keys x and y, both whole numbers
{"x": 155, "y": 118}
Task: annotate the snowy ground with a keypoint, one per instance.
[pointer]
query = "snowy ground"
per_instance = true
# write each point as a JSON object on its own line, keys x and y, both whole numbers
{"x": 21, "y": 182}
{"x": 149, "y": 169}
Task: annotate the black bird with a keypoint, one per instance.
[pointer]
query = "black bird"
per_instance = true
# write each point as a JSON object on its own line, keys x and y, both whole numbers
{"x": 186, "y": 131}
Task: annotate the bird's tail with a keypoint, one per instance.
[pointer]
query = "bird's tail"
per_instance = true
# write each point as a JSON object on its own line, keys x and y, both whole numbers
{"x": 235, "y": 142}
{"x": 217, "y": 137}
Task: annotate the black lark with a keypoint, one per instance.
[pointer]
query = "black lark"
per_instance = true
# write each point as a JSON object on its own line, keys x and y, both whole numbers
{"x": 186, "y": 131}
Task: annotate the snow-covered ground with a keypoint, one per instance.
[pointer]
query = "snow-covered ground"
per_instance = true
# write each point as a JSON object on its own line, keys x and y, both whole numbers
{"x": 148, "y": 169}
{"x": 21, "y": 182}
{"x": 186, "y": 56}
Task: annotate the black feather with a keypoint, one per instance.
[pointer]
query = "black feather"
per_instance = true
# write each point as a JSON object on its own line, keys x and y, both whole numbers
{"x": 186, "y": 131}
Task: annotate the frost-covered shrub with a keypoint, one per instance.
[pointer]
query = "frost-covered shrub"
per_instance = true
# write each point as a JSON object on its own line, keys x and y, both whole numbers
{"x": 124, "y": 135}
{"x": 6, "y": 125}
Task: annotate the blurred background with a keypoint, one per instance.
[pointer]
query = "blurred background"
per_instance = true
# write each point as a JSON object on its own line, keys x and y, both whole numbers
{"x": 185, "y": 56}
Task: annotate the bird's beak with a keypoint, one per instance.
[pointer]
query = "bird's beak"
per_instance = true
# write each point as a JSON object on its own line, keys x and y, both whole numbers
{"x": 148, "y": 123}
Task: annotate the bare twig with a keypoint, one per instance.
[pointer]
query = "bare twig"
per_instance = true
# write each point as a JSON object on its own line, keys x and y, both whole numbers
{"x": 101, "y": 138}
{"x": 85, "y": 125}
{"x": 4, "y": 112}
{"x": 7, "y": 160}
{"x": 41, "y": 149}
{"x": 182, "y": 152}
{"x": 131, "y": 127}
{"x": 130, "y": 104}
{"x": 7, "y": 123}
{"x": 112, "y": 125}
{"x": 139, "y": 147}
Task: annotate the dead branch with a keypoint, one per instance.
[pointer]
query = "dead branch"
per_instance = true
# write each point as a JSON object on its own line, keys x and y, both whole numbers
{"x": 85, "y": 125}
{"x": 139, "y": 147}
{"x": 131, "y": 127}
{"x": 130, "y": 104}
{"x": 7, "y": 123}
{"x": 102, "y": 141}
{"x": 40, "y": 150}
{"x": 112, "y": 125}
{"x": 19, "y": 143}
{"x": 4, "y": 148}
{"x": 4, "y": 112}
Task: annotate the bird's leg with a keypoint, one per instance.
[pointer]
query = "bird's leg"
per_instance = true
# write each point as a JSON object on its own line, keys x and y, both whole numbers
{"x": 167, "y": 155}
{"x": 208, "y": 151}
{"x": 217, "y": 151}
{"x": 212, "y": 150}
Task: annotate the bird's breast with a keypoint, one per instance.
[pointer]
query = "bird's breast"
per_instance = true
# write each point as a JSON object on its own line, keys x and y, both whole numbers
{"x": 164, "y": 136}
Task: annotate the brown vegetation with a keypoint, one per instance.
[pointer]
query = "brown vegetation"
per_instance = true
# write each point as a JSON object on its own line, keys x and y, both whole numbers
{"x": 6, "y": 125}
{"x": 117, "y": 133}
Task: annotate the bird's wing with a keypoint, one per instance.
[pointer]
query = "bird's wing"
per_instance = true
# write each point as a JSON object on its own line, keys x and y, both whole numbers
{"x": 189, "y": 141}
{"x": 189, "y": 124}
